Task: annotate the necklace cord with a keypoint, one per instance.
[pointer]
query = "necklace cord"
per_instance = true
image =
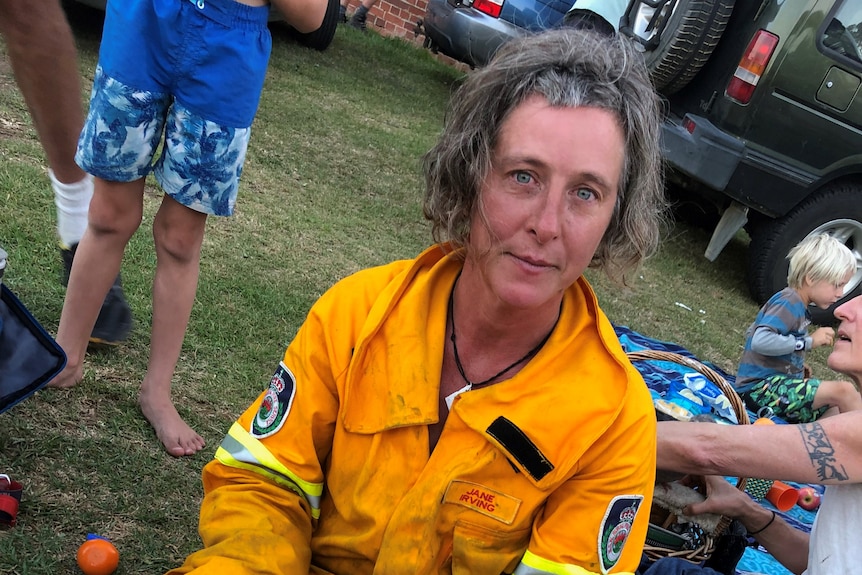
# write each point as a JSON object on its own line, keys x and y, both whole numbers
{"x": 502, "y": 372}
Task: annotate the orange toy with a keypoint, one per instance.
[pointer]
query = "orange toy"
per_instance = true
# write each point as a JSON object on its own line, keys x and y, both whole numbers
{"x": 783, "y": 496}
{"x": 98, "y": 556}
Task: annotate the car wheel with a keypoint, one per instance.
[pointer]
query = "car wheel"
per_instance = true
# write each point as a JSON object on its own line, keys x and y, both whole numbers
{"x": 836, "y": 210}
{"x": 321, "y": 38}
{"x": 690, "y": 30}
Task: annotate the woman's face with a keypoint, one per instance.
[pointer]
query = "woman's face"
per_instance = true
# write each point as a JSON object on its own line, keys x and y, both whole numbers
{"x": 846, "y": 356}
{"x": 547, "y": 200}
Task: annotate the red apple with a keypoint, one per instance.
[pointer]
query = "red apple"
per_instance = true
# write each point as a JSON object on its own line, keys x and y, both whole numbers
{"x": 809, "y": 498}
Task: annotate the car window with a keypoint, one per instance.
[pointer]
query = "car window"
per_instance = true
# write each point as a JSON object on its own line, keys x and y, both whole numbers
{"x": 843, "y": 33}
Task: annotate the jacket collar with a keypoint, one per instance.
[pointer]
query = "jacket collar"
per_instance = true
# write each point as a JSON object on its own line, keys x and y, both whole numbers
{"x": 396, "y": 367}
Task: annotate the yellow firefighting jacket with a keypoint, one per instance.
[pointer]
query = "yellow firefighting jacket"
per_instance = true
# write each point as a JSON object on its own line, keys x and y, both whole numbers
{"x": 329, "y": 471}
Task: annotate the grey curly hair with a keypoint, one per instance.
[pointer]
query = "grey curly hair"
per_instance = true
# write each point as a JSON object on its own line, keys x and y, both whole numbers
{"x": 569, "y": 68}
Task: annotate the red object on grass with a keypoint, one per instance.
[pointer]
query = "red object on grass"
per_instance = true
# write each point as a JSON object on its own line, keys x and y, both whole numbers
{"x": 10, "y": 498}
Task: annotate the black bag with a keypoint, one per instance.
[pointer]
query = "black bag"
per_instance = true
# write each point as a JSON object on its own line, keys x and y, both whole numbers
{"x": 29, "y": 357}
{"x": 728, "y": 549}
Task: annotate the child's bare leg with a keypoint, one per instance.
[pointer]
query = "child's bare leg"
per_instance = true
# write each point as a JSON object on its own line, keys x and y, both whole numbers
{"x": 115, "y": 214}
{"x": 842, "y": 396}
{"x": 178, "y": 233}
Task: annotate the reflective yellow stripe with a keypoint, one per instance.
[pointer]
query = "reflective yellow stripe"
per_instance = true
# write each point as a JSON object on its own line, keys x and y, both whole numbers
{"x": 532, "y": 564}
{"x": 239, "y": 449}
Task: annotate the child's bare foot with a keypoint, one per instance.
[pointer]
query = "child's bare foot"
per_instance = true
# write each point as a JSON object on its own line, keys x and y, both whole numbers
{"x": 69, "y": 377}
{"x": 178, "y": 438}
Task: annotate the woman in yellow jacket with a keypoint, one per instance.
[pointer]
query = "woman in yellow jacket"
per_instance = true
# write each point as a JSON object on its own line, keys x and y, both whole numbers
{"x": 470, "y": 411}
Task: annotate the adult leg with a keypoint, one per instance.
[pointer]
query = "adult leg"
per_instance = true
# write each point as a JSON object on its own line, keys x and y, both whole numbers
{"x": 115, "y": 214}
{"x": 178, "y": 233}
{"x": 45, "y": 62}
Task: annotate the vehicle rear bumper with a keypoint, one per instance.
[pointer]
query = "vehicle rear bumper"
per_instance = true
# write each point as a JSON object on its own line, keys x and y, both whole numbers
{"x": 706, "y": 154}
{"x": 466, "y": 34}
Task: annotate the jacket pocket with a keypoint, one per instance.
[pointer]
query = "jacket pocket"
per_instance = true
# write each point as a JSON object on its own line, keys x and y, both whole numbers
{"x": 479, "y": 550}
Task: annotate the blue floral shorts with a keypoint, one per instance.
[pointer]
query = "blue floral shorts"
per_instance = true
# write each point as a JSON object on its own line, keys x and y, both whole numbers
{"x": 192, "y": 72}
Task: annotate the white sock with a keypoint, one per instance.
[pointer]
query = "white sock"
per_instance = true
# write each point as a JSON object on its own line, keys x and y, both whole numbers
{"x": 73, "y": 201}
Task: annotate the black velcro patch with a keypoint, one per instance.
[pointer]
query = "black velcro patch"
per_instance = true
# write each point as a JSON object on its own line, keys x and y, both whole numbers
{"x": 520, "y": 447}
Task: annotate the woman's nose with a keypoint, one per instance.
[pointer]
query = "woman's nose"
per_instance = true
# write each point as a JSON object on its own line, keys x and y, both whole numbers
{"x": 548, "y": 218}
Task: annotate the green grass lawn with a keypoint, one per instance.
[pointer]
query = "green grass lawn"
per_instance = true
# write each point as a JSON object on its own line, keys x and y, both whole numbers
{"x": 331, "y": 185}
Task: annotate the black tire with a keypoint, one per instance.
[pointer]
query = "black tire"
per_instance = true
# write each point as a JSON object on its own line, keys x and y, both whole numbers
{"x": 837, "y": 209}
{"x": 692, "y": 32}
{"x": 321, "y": 38}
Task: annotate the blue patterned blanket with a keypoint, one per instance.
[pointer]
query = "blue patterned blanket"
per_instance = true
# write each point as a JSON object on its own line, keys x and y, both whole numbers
{"x": 661, "y": 377}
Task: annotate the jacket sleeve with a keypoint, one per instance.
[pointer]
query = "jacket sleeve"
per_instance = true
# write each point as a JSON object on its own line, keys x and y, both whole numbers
{"x": 262, "y": 492}
{"x": 249, "y": 525}
{"x": 596, "y": 522}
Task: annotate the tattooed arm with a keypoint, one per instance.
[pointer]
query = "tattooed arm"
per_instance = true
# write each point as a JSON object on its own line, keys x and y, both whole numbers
{"x": 827, "y": 451}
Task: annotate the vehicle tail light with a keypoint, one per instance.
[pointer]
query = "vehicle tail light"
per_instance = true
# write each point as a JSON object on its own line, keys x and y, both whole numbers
{"x": 751, "y": 66}
{"x": 689, "y": 125}
{"x": 489, "y": 7}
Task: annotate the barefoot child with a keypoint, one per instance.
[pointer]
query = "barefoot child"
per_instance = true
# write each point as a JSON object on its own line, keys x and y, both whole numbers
{"x": 771, "y": 375}
{"x": 194, "y": 72}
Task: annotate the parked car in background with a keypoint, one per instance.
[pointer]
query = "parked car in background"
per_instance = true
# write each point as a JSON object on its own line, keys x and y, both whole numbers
{"x": 320, "y": 39}
{"x": 764, "y": 123}
{"x": 763, "y": 130}
{"x": 471, "y": 31}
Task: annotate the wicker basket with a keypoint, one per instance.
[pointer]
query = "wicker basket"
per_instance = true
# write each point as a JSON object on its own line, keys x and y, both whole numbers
{"x": 661, "y": 543}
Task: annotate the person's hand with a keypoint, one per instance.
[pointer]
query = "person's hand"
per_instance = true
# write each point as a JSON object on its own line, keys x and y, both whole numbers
{"x": 722, "y": 497}
{"x": 822, "y": 336}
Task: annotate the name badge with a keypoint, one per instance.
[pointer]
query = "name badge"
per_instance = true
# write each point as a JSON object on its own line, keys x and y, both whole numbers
{"x": 486, "y": 501}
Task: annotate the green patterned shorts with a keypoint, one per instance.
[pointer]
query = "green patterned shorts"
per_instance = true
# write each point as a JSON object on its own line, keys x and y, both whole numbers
{"x": 790, "y": 398}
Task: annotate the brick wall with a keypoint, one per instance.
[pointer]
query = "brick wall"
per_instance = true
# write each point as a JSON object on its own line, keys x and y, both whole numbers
{"x": 398, "y": 18}
{"x": 394, "y": 17}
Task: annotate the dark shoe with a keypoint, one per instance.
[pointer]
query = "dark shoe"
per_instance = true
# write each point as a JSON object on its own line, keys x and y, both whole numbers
{"x": 342, "y": 14}
{"x": 358, "y": 21}
{"x": 115, "y": 318}
{"x": 68, "y": 255}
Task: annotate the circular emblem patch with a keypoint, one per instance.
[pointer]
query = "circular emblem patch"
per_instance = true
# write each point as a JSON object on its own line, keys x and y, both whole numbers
{"x": 616, "y": 527}
{"x": 276, "y": 403}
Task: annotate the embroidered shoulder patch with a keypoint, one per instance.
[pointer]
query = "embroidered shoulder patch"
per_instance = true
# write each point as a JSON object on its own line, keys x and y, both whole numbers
{"x": 615, "y": 528}
{"x": 276, "y": 403}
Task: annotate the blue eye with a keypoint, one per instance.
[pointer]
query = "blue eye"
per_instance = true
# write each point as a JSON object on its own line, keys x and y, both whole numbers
{"x": 585, "y": 193}
{"x": 523, "y": 178}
